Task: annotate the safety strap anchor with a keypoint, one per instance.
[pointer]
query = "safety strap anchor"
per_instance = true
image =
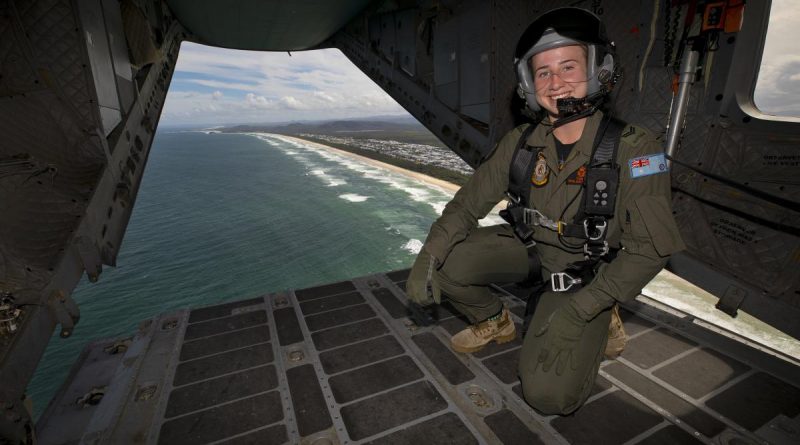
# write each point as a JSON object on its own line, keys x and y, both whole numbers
{"x": 562, "y": 281}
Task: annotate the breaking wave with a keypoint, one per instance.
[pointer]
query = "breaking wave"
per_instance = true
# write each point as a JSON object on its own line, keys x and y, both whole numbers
{"x": 413, "y": 246}
{"x": 352, "y": 197}
{"x": 330, "y": 180}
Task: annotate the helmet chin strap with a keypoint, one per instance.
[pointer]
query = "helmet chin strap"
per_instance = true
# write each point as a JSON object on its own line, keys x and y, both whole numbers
{"x": 571, "y": 109}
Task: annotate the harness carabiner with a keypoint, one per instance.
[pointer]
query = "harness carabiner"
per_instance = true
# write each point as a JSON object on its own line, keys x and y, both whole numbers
{"x": 595, "y": 228}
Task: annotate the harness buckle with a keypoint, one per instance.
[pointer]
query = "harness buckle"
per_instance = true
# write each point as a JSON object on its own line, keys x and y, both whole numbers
{"x": 596, "y": 250}
{"x": 562, "y": 281}
{"x": 595, "y": 228}
{"x": 514, "y": 198}
{"x": 537, "y": 218}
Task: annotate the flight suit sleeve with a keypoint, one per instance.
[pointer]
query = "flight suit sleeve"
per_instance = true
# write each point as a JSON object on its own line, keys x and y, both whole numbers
{"x": 649, "y": 232}
{"x": 484, "y": 189}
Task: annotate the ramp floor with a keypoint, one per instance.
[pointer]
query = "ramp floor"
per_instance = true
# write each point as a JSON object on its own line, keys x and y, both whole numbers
{"x": 343, "y": 363}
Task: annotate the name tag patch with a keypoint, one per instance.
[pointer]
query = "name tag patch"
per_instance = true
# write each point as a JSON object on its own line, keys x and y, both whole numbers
{"x": 648, "y": 165}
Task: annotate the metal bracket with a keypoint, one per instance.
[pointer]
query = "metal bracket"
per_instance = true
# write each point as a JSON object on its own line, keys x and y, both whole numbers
{"x": 90, "y": 257}
{"x": 731, "y": 300}
{"x": 65, "y": 311}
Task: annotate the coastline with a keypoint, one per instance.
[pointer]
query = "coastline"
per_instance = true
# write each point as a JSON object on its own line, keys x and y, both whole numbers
{"x": 429, "y": 180}
{"x": 423, "y": 178}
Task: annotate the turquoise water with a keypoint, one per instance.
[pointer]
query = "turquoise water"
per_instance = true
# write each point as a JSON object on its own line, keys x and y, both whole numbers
{"x": 230, "y": 216}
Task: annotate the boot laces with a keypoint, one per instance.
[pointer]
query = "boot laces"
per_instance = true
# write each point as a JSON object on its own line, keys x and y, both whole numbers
{"x": 485, "y": 328}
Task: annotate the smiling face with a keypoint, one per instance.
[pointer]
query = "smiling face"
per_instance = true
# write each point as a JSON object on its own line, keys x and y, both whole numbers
{"x": 559, "y": 73}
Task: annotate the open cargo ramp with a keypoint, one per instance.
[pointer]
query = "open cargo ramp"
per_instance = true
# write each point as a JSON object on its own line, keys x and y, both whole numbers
{"x": 343, "y": 363}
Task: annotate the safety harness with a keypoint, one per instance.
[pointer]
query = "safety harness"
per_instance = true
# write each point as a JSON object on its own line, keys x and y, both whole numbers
{"x": 591, "y": 221}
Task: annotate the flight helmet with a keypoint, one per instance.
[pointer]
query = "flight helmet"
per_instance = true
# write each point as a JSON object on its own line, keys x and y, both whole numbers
{"x": 564, "y": 27}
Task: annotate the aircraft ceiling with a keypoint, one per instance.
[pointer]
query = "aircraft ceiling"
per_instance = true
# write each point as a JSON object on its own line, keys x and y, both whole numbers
{"x": 264, "y": 25}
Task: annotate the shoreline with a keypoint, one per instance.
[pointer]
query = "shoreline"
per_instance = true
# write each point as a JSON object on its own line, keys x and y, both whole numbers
{"x": 421, "y": 177}
{"x": 427, "y": 179}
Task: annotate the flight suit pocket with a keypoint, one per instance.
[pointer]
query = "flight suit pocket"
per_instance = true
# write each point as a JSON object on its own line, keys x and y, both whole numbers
{"x": 657, "y": 223}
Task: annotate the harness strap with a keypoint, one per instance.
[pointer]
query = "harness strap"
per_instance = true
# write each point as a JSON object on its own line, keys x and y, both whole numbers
{"x": 519, "y": 178}
{"x": 606, "y": 147}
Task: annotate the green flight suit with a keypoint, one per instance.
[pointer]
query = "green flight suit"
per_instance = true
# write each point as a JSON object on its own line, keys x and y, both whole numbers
{"x": 470, "y": 257}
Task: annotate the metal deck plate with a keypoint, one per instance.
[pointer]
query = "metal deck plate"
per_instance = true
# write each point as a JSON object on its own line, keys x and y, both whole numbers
{"x": 343, "y": 363}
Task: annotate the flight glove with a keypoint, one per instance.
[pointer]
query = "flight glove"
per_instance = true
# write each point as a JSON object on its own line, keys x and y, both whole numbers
{"x": 421, "y": 286}
{"x": 560, "y": 337}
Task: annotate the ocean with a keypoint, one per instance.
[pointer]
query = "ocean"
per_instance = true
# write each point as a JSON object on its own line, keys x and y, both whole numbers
{"x": 223, "y": 217}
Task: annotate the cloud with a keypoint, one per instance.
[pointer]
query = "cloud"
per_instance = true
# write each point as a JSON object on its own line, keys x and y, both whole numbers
{"x": 292, "y": 103}
{"x": 778, "y": 87}
{"x": 270, "y": 86}
{"x": 324, "y": 96}
{"x": 253, "y": 101}
{"x": 223, "y": 84}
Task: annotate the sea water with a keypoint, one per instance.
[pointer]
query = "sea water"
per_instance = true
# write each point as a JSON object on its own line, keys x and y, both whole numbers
{"x": 223, "y": 217}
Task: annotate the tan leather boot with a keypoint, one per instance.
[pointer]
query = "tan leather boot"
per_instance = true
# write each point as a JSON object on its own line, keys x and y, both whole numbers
{"x": 617, "y": 338}
{"x": 475, "y": 337}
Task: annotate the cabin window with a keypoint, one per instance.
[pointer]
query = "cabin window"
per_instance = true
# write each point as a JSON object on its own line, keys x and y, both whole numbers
{"x": 777, "y": 89}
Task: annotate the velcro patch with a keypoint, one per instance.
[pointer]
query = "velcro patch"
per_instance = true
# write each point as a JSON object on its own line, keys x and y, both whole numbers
{"x": 648, "y": 165}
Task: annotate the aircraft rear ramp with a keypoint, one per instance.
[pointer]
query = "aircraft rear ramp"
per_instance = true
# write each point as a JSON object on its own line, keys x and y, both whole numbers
{"x": 343, "y": 363}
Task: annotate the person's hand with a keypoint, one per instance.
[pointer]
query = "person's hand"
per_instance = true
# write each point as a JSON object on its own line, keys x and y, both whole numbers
{"x": 562, "y": 332}
{"x": 421, "y": 287}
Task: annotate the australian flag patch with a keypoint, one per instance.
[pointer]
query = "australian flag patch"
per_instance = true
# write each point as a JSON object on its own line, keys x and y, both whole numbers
{"x": 648, "y": 165}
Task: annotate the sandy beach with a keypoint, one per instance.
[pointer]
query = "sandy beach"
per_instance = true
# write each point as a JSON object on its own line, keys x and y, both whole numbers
{"x": 430, "y": 180}
{"x": 426, "y": 179}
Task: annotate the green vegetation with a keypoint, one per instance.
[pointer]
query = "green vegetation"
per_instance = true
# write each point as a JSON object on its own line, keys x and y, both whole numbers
{"x": 409, "y": 137}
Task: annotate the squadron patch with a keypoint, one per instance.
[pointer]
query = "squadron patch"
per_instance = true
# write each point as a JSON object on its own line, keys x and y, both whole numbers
{"x": 648, "y": 165}
{"x": 539, "y": 176}
{"x": 577, "y": 177}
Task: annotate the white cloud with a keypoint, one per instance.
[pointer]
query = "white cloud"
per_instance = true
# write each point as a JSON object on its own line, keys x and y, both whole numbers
{"x": 292, "y": 103}
{"x": 271, "y": 86}
{"x": 324, "y": 96}
{"x": 262, "y": 102}
{"x": 778, "y": 87}
{"x": 223, "y": 84}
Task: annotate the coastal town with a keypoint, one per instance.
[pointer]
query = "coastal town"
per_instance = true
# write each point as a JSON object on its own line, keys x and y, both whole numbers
{"x": 417, "y": 153}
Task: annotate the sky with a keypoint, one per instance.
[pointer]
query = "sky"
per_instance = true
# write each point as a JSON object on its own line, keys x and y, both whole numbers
{"x": 214, "y": 86}
{"x": 778, "y": 86}
{"x": 217, "y": 86}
